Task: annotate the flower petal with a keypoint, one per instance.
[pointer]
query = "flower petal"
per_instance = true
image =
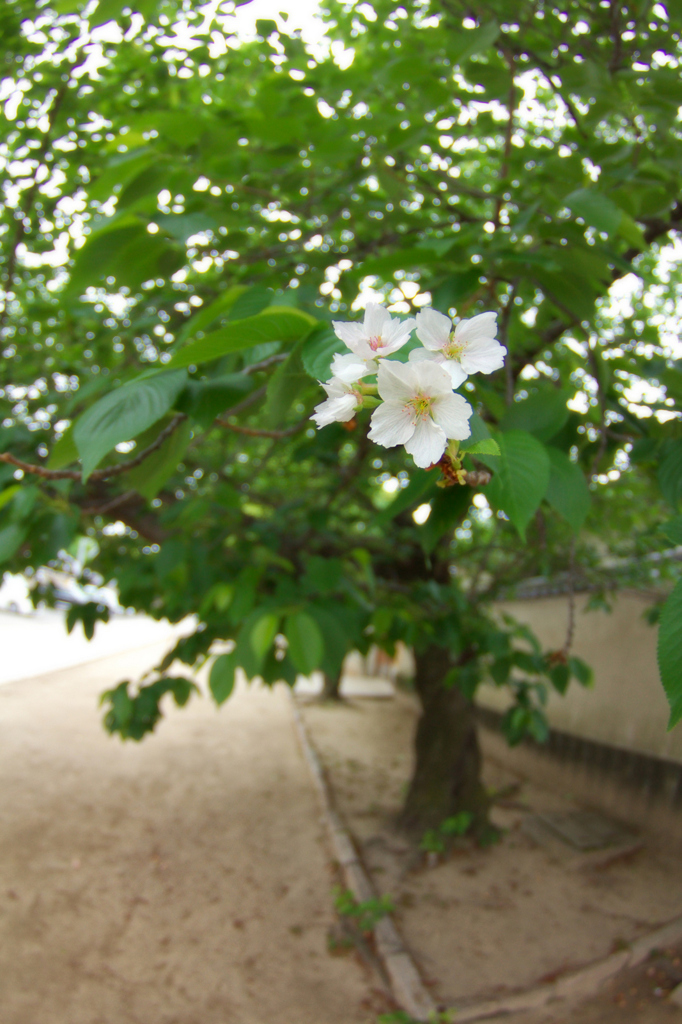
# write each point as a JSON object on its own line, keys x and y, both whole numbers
{"x": 390, "y": 425}
{"x": 451, "y": 413}
{"x": 484, "y": 355}
{"x": 335, "y": 387}
{"x": 420, "y": 355}
{"x": 350, "y": 367}
{"x": 433, "y": 328}
{"x": 482, "y": 326}
{"x": 432, "y": 378}
{"x": 351, "y": 334}
{"x": 395, "y": 334}
{"x": 427, "y": 444}
{"x": 457, "y": 372}
{"x": 377, "y": 319}
{"x": 397, "y": 381}
{"x": 335, "y": 410}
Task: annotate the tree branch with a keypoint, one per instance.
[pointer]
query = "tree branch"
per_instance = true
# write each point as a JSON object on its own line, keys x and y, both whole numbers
{"x": 99, "y": 474}
{"x": 257, "y": 432}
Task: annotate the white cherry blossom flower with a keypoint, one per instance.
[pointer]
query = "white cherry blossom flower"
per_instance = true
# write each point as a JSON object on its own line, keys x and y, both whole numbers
{"x": 349, "y": 368}
{"x": 419, "y": 410}
{"x": 469, "y": 348}
{"x": 378, "y": 335}
{"x": 340, "y": 405}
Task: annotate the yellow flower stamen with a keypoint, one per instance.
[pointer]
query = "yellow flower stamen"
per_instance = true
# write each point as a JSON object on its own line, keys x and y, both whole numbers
{"x": 453, "y": 349}
{"x": 420, "y": 407}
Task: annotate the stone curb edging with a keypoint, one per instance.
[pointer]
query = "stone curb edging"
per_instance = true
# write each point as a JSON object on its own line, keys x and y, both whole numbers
{"x": 579, "y": 984}
{"x": 406, "y": 985}
{"x": 408, "y": 989}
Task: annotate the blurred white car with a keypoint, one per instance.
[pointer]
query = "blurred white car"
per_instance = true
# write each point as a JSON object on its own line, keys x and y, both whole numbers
{"x": 14, "y": 595}
{"x": 15, "y": 591}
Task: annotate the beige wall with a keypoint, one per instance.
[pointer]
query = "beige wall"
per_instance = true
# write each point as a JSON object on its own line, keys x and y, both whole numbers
{"x": 627, "y": 707}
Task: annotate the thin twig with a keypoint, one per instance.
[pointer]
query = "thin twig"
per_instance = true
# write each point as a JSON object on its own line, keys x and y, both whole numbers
{"x": 110, "y": 506}
{"x": 45, "y": 474}
{"x": 570, "y": 631}
{"x": 265, "y": 363}
{"x": 503, "y": 335}
{"x": 251, "y": 399}
{"x": 257, "y": 432}
{"x": 509, "y": 131}
{"x": 596, "y": 462}
{"x": 99, "y": 474}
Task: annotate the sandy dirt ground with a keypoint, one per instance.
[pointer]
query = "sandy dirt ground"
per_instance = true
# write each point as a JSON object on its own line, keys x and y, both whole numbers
{"x": 184, "y": 880}
{"x": 489, "y": 922}
{"x": 637, "y": 996}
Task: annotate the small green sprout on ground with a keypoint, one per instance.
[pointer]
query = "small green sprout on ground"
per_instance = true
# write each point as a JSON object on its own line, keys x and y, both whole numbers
{"x": 365, "y": 914}
{"x": 435, "y": 840}
{"x": 400, "y": 1017}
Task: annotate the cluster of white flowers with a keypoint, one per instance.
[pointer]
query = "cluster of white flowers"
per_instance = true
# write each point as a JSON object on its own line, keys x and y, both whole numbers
{"x": 419, "y": 407}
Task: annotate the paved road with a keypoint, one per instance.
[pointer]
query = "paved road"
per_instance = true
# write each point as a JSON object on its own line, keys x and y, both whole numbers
{"x": 33, "y": 644}
{"x": 183, "y": 880}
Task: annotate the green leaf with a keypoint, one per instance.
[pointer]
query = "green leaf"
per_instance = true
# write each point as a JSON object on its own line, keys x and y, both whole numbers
{"x": 204, "y": 318}
{"x": 64, "y": 451}
{"x": 318, "y": 351}
{"x": 8, "y": 494}
{"x": 673, "y": 530}
{"x": 125, "y": 249}
{"x": 107, "y": 10}
{"x": 630, "y": 230}
{"x": 567, "y": 292}
{"x": 183, "y": 226}
{"x": 596, "y": 209}
{"x": 149, "y": 477}
{"x": 24, "y": 502}
{"x": 123, "y": 414}
{"x": 340, "y": 628}
{"x": 203, "y": 400}
{"x": 479, "y": 432}
{"x": 670, "y": 474}
{"x": 542, "y": 414}
{"x": 467, "y": 43}
{"x": 447, "y": 508}
{"x": 323, "y": 575}
{"x": 560, "y": 676}
{"x": 262, "y": 634}
{"x": 521, "y": 481}
{"x": 567, "y": 491}
{"x": 245, "y": 594}
{"x": 581, "y": 671}
{"x": 274, "y": 324}
{"x": 251, "y": 302}
{"x": 181, "y": 688}
{"x": 670, "y": 653}
{"x": 11, "y": 539}
{"x": 487, "y": 446}
{"x": 283, "y": 387}
{"x": 306, "y": 645}
{"x": 265, "y": 27}
{"x": 221, "y": 678}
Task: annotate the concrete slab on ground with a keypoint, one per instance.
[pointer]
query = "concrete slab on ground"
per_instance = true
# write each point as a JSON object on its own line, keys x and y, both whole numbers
{"x": 351, "y": 686}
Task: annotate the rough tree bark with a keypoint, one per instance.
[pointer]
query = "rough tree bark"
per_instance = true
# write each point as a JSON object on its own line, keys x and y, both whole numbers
{"x": 447, "y": 774}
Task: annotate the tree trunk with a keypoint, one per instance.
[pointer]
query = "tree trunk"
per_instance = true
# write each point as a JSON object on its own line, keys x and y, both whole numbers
{"x": 332, "y": 687}
{"x": 447, "y": 774}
